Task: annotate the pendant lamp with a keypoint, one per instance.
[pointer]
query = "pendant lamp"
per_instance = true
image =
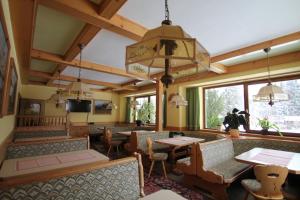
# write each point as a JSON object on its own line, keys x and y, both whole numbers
{"x": 270, "y": 93}
{"x": 164, "y": 47}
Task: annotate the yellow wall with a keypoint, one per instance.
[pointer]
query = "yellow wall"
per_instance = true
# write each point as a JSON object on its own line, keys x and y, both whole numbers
{"x": 44, "y": 93}
{"x": 7, "y": 122}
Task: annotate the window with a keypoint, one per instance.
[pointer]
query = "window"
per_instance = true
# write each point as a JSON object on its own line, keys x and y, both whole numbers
{"x": 146, "y": 109}
{"x": 285, "y": 114}
{"x": 219, "y": 101}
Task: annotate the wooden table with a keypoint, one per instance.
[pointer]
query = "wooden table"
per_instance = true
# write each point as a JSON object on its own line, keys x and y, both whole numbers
{"x": 163, "y": 194}
{"x": 128, "y": 133}
{"x": 263, "y": 156}
{"x": 177, "y": 143}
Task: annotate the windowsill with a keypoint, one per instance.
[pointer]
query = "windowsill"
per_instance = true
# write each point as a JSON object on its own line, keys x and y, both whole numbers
{"x": 295, "y": 137}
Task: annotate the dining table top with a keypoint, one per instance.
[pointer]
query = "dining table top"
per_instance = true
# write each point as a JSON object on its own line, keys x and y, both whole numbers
{"x": 28, "y": 165}
{"x": 179, "y": 141}
{"x": 128, "y": 133}
{"x": 264, "y": 156}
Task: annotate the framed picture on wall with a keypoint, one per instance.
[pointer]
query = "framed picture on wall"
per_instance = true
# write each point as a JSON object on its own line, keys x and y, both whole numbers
{"x": 102, "y": 107}
{"x": 12, "y": 88}
{"x": 4, "y": 59}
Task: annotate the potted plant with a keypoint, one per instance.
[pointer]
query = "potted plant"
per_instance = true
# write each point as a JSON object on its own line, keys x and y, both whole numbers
{"x": 265, "y": 124}
{"x": 145, "y": 113}
{"x": 233, "y": 120}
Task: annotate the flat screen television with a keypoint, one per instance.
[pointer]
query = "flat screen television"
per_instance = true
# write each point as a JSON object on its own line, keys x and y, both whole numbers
{"x": 74, "y": 105}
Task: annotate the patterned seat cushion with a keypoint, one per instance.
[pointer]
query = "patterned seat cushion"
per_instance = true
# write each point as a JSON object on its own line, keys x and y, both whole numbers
{"x": 229, "y": 169}
{"x": 251, "y": 184}
{"x": 160, "y": 156}
{"x": 186, "y": 161}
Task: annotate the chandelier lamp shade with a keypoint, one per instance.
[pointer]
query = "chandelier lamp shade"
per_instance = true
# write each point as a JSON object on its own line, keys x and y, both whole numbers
{"x": 270, "y": 93}
{"x": 134, "y": 104}
{"x": 59, "y": 98}
{"x": 178, "y": 100}
{"x": 164, "y": 47}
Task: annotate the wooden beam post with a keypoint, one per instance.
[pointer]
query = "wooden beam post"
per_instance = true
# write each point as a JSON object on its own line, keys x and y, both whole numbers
{"x": 159, "y": 105}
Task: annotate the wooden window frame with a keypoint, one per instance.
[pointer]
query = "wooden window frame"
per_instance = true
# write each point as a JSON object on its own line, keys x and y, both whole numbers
{"x": 246, "y": 100}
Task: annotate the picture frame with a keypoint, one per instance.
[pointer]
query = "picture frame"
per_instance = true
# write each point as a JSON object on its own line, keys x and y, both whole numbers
{"x": 4, "y": 61}
{"x": 12, "y": 88}
{"x": 101, "y": 107}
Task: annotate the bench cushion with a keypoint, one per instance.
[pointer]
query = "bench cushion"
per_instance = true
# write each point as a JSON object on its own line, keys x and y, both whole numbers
{"x": 185, "y": 161}
{"x": 229, "y": 169}
{"x": 251, "y": 184}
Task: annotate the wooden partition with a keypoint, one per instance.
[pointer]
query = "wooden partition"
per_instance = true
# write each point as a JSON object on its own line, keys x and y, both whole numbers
{"x": 28, "y": 121}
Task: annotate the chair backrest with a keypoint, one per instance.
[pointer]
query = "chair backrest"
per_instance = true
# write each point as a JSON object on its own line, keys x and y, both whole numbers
{"x": 271, "y": 178}
{"x": 107, "y": 136}
{"x": 149, "y": 147}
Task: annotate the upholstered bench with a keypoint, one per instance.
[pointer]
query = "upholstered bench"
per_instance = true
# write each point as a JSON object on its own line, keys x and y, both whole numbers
{"x": 118, "y": 179}
{"x": 19, "y": 135}
{"x": 208, "y": 136}
{"x": 215, "y": 167}
{"x": 37, "y": 148}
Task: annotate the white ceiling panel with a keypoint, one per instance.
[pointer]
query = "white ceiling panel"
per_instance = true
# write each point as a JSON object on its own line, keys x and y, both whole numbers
{"x": 221, "y": 26}
{"x": 107, "y": 48}
{"x": 93, "y": 75}
{"x": 96, "y": 86}
{"x": 61, "y": 82}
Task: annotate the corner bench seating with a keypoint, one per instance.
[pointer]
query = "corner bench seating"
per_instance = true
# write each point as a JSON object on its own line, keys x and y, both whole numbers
{"x": 37, "y": 148}
{"x": 213, "y": 168}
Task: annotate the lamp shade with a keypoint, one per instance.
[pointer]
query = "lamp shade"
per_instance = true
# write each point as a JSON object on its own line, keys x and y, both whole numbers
{"x": 150, "y": 52}
{"x": 178, "y": 100}
{"x": 134, "y": 104}
{"x": 271, "y": 93}
{"x": 111, "y": 105}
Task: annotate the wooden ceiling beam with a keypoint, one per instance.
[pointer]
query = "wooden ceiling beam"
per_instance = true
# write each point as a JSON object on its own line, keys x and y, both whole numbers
{"x": 258, "y": 46}
{"x": 244, "y": 67}
{"x": 23, "y": 15}
{"x": 87, "y": 11}
{"x": 73, "y": 79}
{"x": 107, "y": 9}
{"x": 42, "y": 55}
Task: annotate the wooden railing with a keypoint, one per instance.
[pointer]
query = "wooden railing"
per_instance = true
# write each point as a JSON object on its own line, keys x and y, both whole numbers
{"x": 43, "y": 121}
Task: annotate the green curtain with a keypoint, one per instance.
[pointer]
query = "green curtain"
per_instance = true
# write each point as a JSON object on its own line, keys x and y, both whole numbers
{"x": 128, "y": 110}
{"x": 165, "y": 110}
{"x": 193, "y": 108}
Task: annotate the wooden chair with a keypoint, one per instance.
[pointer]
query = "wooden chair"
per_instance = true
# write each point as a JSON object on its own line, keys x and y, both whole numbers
{"x": 268, "y": 182}
{"x": 111, "y": 143}
{"x": 156, "y": 157}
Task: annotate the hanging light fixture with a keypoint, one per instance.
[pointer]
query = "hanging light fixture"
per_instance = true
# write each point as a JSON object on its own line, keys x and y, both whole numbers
{"x": 165, "y": 47}
{"x": 111, "y": 105}
{"x": 134, "y": 104}
{"x": 270, "y": 93}
{"x": 58, "y": 97}
{"x": 178, "y": 100}
{"x": 81, "y": 90}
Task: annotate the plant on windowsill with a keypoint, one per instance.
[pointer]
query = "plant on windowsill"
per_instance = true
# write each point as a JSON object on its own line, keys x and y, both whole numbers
{"x": 265, "y": 124}
{"x": 233, "y": 120}
{"x": 145, "y": 113}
